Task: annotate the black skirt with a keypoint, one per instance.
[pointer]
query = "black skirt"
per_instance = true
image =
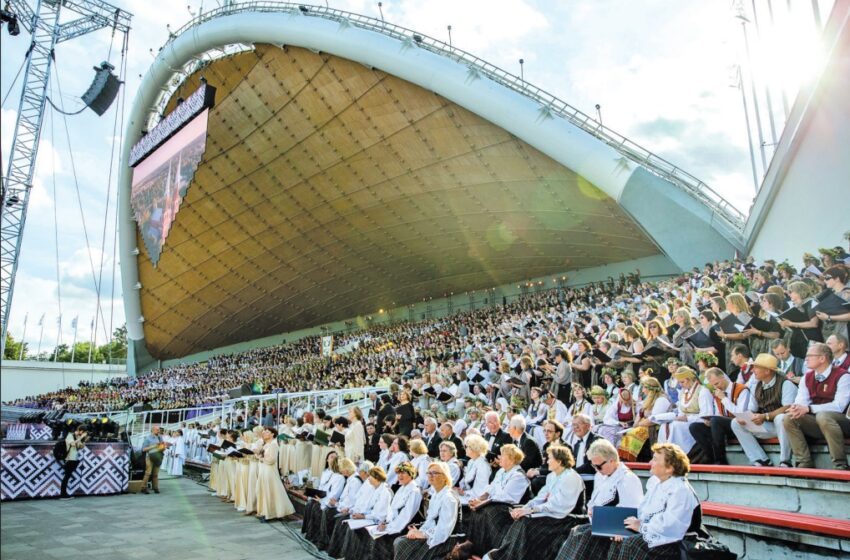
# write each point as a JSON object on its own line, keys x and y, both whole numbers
{"x": 581, "y": 544}
{"x": 535, "y": 537}
{"x": 635, "y": 548}
{"x": 488, "y": 525}
{"x": 417, "y": 549}
{"x": 381, "y": 548}
{"x": 312, "y": 520}
{"x": 356, "y": 545}
{"x": 328, "y": 523}
{"x": 336, "y": 543}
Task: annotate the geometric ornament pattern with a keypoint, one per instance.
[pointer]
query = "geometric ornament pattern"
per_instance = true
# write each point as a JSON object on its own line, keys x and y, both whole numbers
{"x": 31, "y": 471}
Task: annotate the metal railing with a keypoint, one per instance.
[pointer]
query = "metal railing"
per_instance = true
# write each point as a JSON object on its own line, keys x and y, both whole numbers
{"x": 728, "y": 218}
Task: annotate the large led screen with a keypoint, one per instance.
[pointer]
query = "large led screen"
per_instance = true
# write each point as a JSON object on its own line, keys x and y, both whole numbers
{"x": 160, "y": 182}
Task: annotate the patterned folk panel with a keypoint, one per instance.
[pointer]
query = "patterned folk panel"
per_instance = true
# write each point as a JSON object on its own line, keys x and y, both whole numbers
{"x": 30, "y": 471}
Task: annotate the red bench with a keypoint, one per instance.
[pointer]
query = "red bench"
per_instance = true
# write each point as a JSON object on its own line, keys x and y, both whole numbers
{"x": 798, "y": 521}
{"x": 817, "y": 474}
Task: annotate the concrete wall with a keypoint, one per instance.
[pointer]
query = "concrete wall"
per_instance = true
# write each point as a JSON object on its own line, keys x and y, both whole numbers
{"x": 24, "y": 378}
{"x": 804, "y": 202}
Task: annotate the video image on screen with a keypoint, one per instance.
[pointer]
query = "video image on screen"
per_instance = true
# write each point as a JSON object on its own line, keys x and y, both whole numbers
{"x": 162, "y": 179}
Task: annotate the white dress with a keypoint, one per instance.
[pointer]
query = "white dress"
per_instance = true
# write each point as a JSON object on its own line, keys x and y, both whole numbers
{"x": 695, "y": 405}
{"x": 272, "y": 501}
{"x": 178, "y": 456}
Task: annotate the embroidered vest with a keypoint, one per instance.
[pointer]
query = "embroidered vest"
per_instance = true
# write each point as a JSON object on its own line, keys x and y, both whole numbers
{"x": 822, "y": 393}
{"x": 626, "y": 416}
{"x": 769, "y": 399}
{"x": 746, "y": 373}
{"x": 737, "y": 389}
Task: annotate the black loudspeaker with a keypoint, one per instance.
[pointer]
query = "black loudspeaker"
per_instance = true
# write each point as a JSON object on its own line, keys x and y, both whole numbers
{"x": 103, "y": 89}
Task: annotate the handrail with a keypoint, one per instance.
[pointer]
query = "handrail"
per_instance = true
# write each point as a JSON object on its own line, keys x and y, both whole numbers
{"x": 730, "y": 218}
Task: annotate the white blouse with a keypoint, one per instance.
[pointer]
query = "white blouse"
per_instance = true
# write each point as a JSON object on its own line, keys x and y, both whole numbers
{"x": 508, "y": 487}
{"x": 441, "y": 517}
{"x": 559, "y": 496}
{"x": 666, "y": 510}
{"x": 350, "y": 492}
{"x": 334, "y": 488}
{"x": 622, "y": 484}
{"x": 398, "y": 458}
{"x": 477, "y": 477}
{"x": 404, "y": 506}
{"x": 612, "y": 417}
{"x": 379, "y": 503}
{"x": 363, "y": 499}
{"x": 384, "y": 460}
{"x": 421, "y": 463}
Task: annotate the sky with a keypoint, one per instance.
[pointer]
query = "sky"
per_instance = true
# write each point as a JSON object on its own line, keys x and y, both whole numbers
{"x": 663, "y": 72}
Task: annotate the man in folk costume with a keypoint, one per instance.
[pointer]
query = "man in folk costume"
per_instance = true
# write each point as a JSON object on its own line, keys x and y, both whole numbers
{"x": 790, "y": 366}
{"x": 743, "y": 363}
{"x": 695, "y": 403}
{"x": 819, "y": 409}
{"x": 729, "y": 398}
{"x": 772, "y": 396}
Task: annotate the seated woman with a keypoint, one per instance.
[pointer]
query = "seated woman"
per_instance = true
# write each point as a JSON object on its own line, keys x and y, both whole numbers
{"x": 476, "y": 478}
{"x": 490, "y": 517}
{"x": 581, "y": 405}
{"x": 665, "y": 514}
{"x": 433, "y": 539}
{"x": 272, "y": 501}
{"x": 332, "y": 484}
{"x": 345, "y": 540}
{"x": 540, "y": 525}
{"x": 448, "y": 455}
{"x": 695, "y": 403}
{"x": 637, "y": 441}
{"x": 619, "y": 416}
{"x": 600, "y": 404}
{"x": 384, "y": 457}
{"x": 614, "y": 484}
{"x": 403, "y": 508}
{"x": 398, "y": 451}
{"x": 332, "y": 534}
{"x": 420, "y": 459}
{"x": 353, "y": 483}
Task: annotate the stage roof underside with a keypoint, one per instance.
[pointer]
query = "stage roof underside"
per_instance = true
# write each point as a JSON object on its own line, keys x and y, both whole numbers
{"x": 330, "y": 190}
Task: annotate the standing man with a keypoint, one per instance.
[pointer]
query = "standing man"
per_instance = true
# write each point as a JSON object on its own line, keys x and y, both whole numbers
{"x": 74, "y": 442}
{"x": 153, "y": 447}
{"x": 819, "y": 409}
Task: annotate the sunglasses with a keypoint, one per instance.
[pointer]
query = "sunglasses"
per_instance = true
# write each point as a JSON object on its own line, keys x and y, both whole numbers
{"x": 599, "y": 466}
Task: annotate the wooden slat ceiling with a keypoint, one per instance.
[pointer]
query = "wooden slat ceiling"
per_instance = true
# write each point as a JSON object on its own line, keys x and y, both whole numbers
{"x": 330, "y": 190}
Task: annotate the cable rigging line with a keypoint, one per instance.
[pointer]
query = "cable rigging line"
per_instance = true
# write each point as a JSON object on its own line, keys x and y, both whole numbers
{"x": 56, "y": 236}
{"x": 18, "y": 75}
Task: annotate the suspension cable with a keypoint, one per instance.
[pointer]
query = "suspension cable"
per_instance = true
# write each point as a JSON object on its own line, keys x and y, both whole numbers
{"x": 18, "y": 75}
{"x": 56, "y": 235}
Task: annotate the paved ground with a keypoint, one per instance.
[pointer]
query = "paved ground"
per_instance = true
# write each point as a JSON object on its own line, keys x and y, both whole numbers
{"x": 184, "y": 522}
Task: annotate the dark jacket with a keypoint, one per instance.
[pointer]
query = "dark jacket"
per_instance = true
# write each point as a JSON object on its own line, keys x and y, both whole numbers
{"x": 533, "y": 459}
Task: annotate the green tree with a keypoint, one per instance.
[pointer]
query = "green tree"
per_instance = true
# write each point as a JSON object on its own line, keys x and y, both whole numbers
{"x": 13, "y": 348}
{"x": 116, "y": 349}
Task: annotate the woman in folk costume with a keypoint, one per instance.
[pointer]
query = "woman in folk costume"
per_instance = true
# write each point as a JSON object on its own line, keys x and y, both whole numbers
{"x": 541, "y": 525}
{"x": 836, "y": 278}
{"x": 599, "y": 409}
{"x": 332, "y": 484}
{"x": 695, "y": 403}
{"x": 243, "y": 466}
{"x": 346, "y": 542}
{"x": 403, "y": 509}
{"x": 420, "y": 460}
{"x": 432, "y": 540}
{"x": 255, "y": 444}
{"x": 272, "y": 501}
{"x": 179, "y": 454}
{"x": 355, "y": 436}
{"x": 643, "y": 434}
{"x": 215, "y": 465}
{"x": 355, "y": 493}
{"x": 581, "y": 405}
{"x": 614, "y": 484}
{"x": 490, "y": 517}
{"x": 224, "y": 471}
{"x": 476, "y": 477}
{"x": 536, "y": 415}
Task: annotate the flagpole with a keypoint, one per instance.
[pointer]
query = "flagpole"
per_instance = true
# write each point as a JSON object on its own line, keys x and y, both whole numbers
{"x": 24, "y": 337}
{"x": 74, "y": 344}
{"x": 40, "y": 336}
{"x": 58, "y": 338}
{"x": 91, "y": 339}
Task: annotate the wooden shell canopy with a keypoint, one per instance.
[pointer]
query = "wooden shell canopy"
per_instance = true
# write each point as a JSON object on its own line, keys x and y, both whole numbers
{"x": 329, "y": 190}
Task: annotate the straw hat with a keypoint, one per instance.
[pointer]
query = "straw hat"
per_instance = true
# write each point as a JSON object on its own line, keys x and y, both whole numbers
{"x": 766, "y": 361}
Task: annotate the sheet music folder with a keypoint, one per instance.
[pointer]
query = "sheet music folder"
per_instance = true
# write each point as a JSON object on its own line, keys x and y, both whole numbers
{"x": 608, "y": 521}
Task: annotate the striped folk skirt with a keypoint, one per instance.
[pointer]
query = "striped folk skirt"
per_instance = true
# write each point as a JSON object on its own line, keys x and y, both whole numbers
{"x": 581, "y": 545}
{"x": 336, "y": 538}
{"x": 327, "y": 523}
{"x": 488, "y": 525}
{"x": 535, "y": 537}
{"x": 417, "y": 549}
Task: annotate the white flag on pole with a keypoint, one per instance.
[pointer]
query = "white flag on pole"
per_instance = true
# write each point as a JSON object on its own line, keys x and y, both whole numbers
{"x": 41, "y": 321}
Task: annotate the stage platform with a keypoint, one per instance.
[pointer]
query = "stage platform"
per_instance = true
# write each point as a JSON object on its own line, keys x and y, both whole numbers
{"x": 184, "y": 521}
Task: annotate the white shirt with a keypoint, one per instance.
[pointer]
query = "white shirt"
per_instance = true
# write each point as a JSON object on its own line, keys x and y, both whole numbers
{"x": 334, "y": 487}
{"x": 398, "y": 458}
{"x": 611, "y": 415}
{"x": 353, "y": 484}
{"x": 622, "y": 484}
{"x": 508, "y": 487}
{"x": 740, "y": 406}
{"x": 363, "y": 498}
{"x": 379, "y": 503}
{"x": 838, "y": 404}
{"x": 581, "y": 454}
{"x": 789, "y": 393}
{"x": 562, "y": 415}
{"x": 441, "y": 517}
{"x": 384, "y": 459}
{"x": 404, "y": 506}
{"x": 421, "y": 463}
{"x": 666, "y": 510}
{"x": 559, "y": 496}
{"x": 477, "y": 477}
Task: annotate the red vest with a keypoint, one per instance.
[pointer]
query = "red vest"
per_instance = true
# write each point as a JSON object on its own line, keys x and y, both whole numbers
{"x": 846, "y": 363}
{"x": 822, "y": 393}
{"x": 737, "y": 389}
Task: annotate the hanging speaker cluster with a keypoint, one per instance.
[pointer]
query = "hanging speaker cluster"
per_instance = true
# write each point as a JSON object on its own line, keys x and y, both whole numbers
{"x": 103, "y": 89}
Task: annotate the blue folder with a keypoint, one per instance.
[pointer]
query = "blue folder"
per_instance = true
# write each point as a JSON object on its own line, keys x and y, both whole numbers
{"x": 608, "y": 521}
